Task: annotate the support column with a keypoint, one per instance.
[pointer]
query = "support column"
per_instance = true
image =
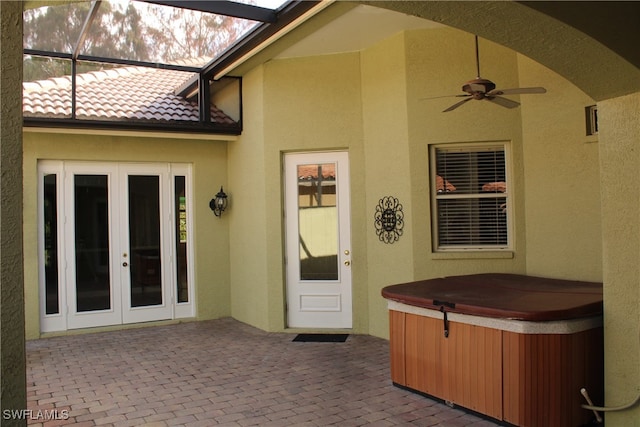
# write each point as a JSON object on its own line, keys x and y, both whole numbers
{"x": 13, "y": 395}
{"x": 619, "y": 139}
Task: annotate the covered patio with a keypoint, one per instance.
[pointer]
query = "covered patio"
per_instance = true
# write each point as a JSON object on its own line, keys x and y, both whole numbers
{"x": 572, "y": 230}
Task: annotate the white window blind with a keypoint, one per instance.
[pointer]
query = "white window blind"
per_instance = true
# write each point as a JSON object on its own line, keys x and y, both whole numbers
{"x": 471, "y": 196}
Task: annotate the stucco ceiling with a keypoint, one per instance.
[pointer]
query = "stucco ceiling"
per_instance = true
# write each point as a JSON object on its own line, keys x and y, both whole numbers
{"x": 357, "y": 29}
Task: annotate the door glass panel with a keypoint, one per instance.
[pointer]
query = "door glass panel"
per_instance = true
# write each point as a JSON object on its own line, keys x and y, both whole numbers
{"x": 93, "y": 285}
{"x": 144, "y": 240}
{"x": 52, "y": 305}
{"x": 180, "y": 207}
{"x": 318, "y": 221}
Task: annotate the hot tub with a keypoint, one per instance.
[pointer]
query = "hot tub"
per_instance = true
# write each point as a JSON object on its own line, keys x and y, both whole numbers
{"x": 515, "y": 348}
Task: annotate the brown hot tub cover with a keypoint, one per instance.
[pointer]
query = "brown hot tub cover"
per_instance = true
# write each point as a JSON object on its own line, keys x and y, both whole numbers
{"x": 506, "y": 296}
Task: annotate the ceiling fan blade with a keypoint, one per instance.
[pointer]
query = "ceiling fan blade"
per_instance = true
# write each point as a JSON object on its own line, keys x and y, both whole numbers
{"x": 457, "y": 104}
{"x": 444, "y": 96}
{"x": 518, "y": 91}
{"x": 504, "y": 102}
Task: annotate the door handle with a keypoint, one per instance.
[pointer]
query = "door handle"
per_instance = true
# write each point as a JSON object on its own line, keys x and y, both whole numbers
{"x": 124, "y": 264}
{"x": 347, "y": 263}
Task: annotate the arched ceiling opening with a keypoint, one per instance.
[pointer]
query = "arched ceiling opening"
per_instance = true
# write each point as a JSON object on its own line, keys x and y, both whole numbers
{"x": 591, "y": 44}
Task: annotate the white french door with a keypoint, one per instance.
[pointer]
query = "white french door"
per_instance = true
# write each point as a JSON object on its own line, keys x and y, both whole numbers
{"x": 144, "y": 245}
{"x": 91, "y": 232}
{"x": 318, "y": 240}
{"x": 121, "y": 231}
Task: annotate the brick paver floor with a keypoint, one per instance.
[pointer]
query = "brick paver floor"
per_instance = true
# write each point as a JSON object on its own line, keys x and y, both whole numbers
{"x": 221, "y": 372}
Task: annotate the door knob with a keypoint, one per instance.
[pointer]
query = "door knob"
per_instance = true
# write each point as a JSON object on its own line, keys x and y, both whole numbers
{"x": 124, "y": 264}
{"x": 347, "y": 263}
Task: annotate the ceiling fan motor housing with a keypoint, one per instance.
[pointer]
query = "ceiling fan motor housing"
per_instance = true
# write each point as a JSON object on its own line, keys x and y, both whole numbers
{"x": 478, "y": 87}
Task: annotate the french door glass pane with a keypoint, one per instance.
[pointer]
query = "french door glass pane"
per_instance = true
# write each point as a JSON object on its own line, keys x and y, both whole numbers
{"x": 180, "y": 208}
{"x": 93, "y": 284}
{"x": 318, "y": 222}
{"x": 52, "y": 305}
{"x": 144, "y": 240}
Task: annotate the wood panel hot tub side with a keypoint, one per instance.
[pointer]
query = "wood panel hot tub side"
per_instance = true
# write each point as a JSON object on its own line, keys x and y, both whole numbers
{"x": 524, "y": 379}
{"x": 397, "y": 346}
{"x": 544, "y": 374}
{"x": 465, "y": 368}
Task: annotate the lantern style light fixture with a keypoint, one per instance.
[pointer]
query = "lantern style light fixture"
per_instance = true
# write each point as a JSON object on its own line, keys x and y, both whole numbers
{"x": 219, "y": 203}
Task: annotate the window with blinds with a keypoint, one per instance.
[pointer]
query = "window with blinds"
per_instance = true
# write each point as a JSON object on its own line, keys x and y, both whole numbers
{"x": 470, "y": 197}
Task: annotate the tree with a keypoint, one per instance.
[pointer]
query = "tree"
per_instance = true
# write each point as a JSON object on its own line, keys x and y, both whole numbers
{"x": 134, "y": 30}
{"x": 177, "y": 34}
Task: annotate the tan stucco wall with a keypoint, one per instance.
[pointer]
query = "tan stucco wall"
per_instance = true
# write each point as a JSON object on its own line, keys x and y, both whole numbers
{"x": 250, "y": 300}
{"x": 13, "y": 393}
{"x": 620, "y": 165}
{"x": 384, "y": 104}
{"x": 562, "y": 179}
{"x": 209, "y": 171}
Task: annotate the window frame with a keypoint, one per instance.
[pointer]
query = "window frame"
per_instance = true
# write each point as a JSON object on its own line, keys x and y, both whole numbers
{"x": 434, "y": 197}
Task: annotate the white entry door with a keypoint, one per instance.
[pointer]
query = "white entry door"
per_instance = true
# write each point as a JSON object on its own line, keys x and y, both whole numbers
{"x": 118, "y": 244}
{"x": 318, "y": 240}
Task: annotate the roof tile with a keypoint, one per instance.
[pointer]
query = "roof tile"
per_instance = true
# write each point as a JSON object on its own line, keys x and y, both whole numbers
{"x": 120, "y": 94}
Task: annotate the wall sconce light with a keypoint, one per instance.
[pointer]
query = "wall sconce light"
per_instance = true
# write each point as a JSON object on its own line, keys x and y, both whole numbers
{"x": 219, "y": 203}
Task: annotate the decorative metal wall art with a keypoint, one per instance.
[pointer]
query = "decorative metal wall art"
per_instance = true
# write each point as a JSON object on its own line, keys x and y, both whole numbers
{"x": 389, "y": 219}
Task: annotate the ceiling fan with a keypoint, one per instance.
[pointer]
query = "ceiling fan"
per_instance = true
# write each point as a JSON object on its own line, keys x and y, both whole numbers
{"x": 480, "y": 89}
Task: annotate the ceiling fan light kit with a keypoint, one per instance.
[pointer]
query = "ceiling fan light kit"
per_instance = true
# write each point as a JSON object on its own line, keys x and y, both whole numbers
{"x": 483, "y": 89}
